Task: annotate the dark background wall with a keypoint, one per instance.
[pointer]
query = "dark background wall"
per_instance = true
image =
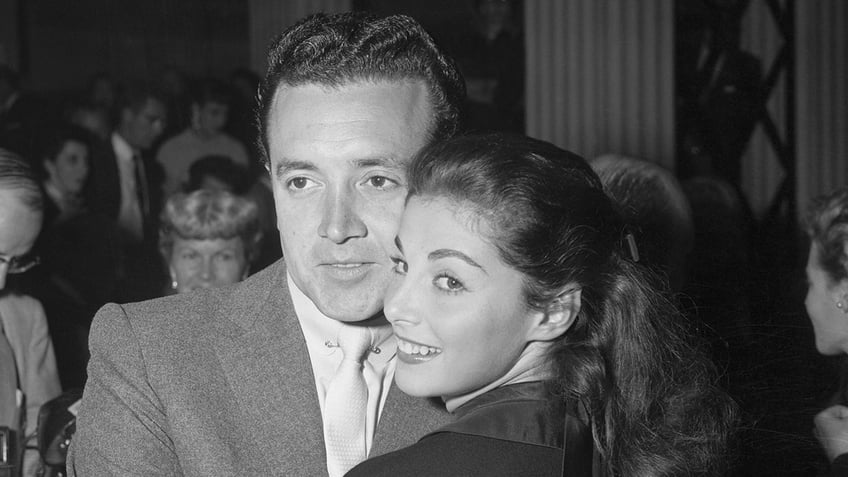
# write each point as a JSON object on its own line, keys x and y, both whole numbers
{"x": 66, "y": 42}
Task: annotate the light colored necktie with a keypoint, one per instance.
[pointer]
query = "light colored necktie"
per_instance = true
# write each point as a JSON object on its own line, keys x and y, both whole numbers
{"x": 345, "y": 404}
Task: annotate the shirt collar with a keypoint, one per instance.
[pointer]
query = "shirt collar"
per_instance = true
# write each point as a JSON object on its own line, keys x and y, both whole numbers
{"x": 317, "y": 325}
{"x": 532, "y": 365}
{"x": 122, "y": 148}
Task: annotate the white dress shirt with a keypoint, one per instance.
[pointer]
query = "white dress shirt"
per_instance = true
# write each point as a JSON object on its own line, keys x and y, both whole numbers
{"x": 378, "y": 369}
{"x": 129, "y": 213}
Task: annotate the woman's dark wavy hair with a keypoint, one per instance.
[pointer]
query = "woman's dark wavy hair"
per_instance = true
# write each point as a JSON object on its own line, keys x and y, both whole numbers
{"x": 336, "y": 50}
{"x": 827, "y": 227}
{"x": 647, "y": 385}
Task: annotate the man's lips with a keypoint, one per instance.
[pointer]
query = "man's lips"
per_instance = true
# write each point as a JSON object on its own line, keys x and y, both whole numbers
{"x": 347, "y": 269}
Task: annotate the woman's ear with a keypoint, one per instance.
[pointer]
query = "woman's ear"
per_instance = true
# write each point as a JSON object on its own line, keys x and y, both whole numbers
{"x": 557, "y": 317}
{"x": 841, "y": 295}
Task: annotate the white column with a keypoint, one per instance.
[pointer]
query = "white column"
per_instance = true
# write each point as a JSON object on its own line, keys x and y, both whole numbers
{"x": 600, "y": 76}
{"x": 822, "y": 97}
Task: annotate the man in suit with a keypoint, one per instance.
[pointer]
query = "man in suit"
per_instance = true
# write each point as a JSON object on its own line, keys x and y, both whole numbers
{"x": 242, "y": 380}
{"x": 124, "y": 185}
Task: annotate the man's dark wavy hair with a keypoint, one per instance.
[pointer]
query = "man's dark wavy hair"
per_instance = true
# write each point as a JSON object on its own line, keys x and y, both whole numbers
{"x": 336, "y": 50}
{"x": 628, "y": 358}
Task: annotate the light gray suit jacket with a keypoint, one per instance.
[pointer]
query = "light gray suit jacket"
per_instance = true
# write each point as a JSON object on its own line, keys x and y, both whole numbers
{"x": 217, "y": 382}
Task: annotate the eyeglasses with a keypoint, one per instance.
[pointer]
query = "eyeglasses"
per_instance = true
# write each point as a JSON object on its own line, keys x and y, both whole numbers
{"x": 20, "y": 264}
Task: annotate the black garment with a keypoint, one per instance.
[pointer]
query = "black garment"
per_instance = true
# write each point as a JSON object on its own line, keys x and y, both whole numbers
{"x": 142, "y": 270}
{"x": 509, "y": 431}
{"x": 839, "y": 467}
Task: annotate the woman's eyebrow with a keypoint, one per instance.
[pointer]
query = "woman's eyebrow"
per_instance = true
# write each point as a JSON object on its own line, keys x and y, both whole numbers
{"x": 451, "y": 253}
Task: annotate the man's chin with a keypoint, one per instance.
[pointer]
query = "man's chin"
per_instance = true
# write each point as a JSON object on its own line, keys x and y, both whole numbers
{"x": 347, "y": 316}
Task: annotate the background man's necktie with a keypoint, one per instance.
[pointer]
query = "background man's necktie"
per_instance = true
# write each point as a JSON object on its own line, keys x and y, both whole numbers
{"x": 345, "y": 404}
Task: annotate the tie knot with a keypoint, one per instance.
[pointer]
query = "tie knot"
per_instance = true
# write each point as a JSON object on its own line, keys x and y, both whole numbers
{"x": 354, "y": 342}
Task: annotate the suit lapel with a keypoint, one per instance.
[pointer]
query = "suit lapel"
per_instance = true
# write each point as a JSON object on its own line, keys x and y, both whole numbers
{"x": 269, "y": 371}
{"x": 405, "y": 420}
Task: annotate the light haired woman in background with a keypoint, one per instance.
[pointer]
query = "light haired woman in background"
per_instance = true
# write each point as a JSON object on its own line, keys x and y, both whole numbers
{"x": 208, "y": 239}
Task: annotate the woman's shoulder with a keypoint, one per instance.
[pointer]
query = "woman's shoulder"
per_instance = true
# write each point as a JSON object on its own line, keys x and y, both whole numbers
{"x": 448, "y": 453}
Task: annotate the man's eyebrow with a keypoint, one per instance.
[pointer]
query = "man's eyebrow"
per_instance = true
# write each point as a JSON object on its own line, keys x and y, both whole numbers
{"x": 286, "y": 165}
{"x": 382, "y": 161}
{"x": 398, "y": 244}
{"x": 450, "y": 253}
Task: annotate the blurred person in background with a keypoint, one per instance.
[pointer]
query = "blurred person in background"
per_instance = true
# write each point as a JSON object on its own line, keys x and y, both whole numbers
{"x": 205, "y": 136}
{"x": 21, "y": 114}
{"x": 656, "y": 210}
{"x": 65, "y": 161}
{"x": 827, "y": 307}
{"x": 80, "y": 249}
{"x": 208, "y": 239}
{"x": 28, "y": 376}
{"x": 125, "y": 186}
{"x": 217, "y": 173}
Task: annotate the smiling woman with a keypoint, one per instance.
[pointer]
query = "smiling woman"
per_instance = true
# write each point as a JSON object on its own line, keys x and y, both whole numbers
{"x": 515, "y": 303}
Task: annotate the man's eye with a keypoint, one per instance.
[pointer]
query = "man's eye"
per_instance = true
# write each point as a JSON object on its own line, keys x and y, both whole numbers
{"x": 381, "y": 182}
{"x": 401, "y": 267}
{"x": 298, "y": 183}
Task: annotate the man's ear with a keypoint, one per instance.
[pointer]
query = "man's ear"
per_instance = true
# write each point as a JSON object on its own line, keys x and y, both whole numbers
{"x": 557, "y": 317}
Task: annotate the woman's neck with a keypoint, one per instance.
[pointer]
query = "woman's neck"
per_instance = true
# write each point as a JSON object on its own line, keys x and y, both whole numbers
{"x": 532, "y": 365}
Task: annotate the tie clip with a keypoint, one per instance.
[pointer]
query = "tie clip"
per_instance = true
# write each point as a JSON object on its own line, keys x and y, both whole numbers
{"x": 332, "y": 344}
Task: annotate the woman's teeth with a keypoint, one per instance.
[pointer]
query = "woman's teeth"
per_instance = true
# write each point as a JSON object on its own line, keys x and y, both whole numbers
{"x": 411, "y": 348}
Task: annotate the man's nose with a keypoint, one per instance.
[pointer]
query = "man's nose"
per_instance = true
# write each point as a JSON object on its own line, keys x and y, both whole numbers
{"x": 206, "y": 269}
{"x": 340, "y": 220}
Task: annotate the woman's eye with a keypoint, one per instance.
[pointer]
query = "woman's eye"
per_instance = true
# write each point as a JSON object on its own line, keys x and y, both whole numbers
{"x": 401, "y": 267}
{"x": 448, "y": 283}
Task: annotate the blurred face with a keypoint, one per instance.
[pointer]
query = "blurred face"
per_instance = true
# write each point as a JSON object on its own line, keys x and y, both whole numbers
{"x": 207, "y": 263}
{"x": 338, "y": 160}
{"x": 141, "y": 128}
{"x": 457, "y": 310}
{"x": 211, "y": 117}
{"x": 19, "y": 227}
{"x": 830, "y": 323}
{"x": 69, "y": 170}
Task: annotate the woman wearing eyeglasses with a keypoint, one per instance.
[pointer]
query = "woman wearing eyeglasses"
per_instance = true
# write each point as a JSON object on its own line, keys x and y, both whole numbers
{"x": 27, "y": 364}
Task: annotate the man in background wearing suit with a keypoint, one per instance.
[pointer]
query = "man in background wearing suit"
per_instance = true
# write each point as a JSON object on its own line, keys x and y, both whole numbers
{"x": 125, "y": 186}
{"x": 242, "y": 380}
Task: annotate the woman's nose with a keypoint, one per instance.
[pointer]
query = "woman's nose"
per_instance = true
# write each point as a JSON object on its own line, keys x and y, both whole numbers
{"x": 398, "y": 306}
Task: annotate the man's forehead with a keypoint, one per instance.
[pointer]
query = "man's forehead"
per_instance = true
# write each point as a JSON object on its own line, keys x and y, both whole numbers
{"x": 363, "y": 121}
